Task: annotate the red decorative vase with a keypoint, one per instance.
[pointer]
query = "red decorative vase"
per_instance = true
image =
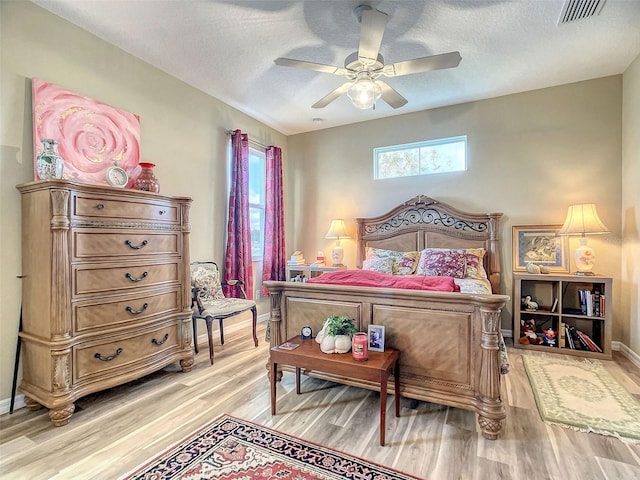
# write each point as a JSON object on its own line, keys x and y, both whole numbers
{"x": 147, "y": 181}
{"x": 360, "y": 347}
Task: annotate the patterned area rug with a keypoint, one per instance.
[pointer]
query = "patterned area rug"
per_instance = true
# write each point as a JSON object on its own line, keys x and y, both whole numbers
{"x": 582, "y": 395}
{"x": 229, "y": 448}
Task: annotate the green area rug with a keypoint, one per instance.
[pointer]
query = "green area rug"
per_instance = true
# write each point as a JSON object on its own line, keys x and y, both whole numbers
{"x": 582, "y": 395}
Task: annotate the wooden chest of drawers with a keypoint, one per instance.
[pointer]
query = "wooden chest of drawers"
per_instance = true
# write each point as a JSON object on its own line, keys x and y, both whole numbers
{"x": 106, "y": 295}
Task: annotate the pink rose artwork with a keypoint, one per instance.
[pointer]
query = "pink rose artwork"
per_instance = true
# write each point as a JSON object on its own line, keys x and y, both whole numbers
{"x": 92, "y": 135}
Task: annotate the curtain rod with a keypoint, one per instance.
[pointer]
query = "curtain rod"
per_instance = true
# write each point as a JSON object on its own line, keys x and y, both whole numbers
{"x": 256, "y": 144}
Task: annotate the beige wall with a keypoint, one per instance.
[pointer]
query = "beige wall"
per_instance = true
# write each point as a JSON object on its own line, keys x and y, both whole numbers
{"x": 183, "y": 132}
{"x": 631, "y": 206}
{"x": 530, "y": 155}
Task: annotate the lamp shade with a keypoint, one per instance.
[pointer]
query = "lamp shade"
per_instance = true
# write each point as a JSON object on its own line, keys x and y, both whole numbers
{"x": 582, "y": 220}
{"x": 337, "y": 229}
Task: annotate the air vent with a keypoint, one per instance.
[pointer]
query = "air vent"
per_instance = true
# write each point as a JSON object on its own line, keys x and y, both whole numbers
{"x": 573, "y": 10}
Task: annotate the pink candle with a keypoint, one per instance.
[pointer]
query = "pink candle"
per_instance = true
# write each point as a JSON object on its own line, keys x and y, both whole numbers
{"x": 360, "y": 347}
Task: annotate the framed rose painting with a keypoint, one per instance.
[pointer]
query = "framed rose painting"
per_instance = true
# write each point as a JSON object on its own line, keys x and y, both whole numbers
{"x": 92, "y": 136}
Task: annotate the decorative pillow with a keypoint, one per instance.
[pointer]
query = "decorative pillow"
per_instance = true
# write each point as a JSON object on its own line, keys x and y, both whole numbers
{"x": 473, "y": 285}
{"x": 207, "y": 281}
{"x": 442, "y": 263}
{"x": 378, "y": 264}
{"x": 474, "y": 267}
{"x": 404, "y": 263}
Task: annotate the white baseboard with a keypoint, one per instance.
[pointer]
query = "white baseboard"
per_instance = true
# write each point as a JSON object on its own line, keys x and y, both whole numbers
{"x": 5, "y": 404}
{"x": 627, "y": 352}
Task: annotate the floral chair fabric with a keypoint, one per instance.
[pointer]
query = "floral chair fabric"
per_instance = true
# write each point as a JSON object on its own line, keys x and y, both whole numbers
{"x": 209, "y": 303}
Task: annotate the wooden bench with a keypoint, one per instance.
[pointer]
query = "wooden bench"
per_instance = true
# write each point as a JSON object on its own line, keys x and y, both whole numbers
{"x": 309, "y": 356}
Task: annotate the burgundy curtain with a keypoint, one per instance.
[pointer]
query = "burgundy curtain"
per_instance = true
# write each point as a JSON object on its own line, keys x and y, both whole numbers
{"x": 274, "y": 257}
{"x": 238, "y": 256}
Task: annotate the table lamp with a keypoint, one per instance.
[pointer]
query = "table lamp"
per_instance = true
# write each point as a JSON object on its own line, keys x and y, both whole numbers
{"x": 337, "y": 230}
{"x": 583, "y": 220}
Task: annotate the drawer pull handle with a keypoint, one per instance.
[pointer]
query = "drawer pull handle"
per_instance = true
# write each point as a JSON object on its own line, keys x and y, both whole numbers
{"x": 137, "y": 312}
{"x": 136, "y": 247}
{"x": 160, "y": 342}
{"x": 100, "y": 206}
{"x": 162, "y": 212}
{"x": 133, "y": 279}
{"x": 110, "y": 357}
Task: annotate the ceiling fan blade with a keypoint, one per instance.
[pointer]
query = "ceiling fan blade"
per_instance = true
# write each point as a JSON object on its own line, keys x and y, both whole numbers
{"x": 389, "y": 95}
{"x": 423, "y": 64}
{"x": 371, "y": 31}
{"x": 327, "y": 99}
{"x": 318, "y": 67}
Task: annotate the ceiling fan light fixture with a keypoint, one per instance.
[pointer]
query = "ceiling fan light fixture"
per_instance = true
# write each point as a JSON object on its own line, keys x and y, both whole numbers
{"x": 364, "y": 92}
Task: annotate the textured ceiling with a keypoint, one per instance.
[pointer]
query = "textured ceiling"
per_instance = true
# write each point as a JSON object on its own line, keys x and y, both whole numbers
{"x": 227, "y": 48}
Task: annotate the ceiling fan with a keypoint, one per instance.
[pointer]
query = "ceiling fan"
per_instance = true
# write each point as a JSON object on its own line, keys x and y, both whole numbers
{"x": 364, "y": 68}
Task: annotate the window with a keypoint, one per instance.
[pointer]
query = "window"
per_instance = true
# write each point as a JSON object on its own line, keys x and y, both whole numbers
{"x": 421, "y": 158}
{"x": 257, "y": 176}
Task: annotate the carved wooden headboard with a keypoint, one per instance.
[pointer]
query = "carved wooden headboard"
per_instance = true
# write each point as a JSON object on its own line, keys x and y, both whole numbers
{"x": 423, "y": 222}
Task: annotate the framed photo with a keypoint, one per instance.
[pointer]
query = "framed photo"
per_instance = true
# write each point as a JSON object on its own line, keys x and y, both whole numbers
{"x": 541, "y": 245}
{"x": 376, "y": 338}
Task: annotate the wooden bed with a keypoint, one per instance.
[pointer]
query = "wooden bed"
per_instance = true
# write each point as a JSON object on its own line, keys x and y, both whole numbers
{"x": 449, "y": 342}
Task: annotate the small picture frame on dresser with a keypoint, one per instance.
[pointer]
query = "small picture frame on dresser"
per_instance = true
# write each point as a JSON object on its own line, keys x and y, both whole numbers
{"x": 376, "y": 338}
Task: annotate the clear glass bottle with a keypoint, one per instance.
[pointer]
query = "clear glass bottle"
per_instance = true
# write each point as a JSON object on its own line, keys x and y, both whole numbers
{"x": 147, "y": 180}
{"x": 49, "y": 163}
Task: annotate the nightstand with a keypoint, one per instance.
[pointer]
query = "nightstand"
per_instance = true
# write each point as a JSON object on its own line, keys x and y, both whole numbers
{"x": 309, "y": 271}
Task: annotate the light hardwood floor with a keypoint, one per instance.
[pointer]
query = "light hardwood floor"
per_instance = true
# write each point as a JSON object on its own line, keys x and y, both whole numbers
{"x": 113, "y": 431}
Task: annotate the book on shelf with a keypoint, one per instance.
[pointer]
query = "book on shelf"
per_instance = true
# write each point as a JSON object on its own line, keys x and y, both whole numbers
{"x": 589, "y": 342}
{"x": 572, "y": 311}
{"x": 289, "y": 346}
{"x": 578, "y": 340}
{"x": 569, "y": 337}
{"x": 595, "y": 296}
{"x": 591, "y": 303}
{"x": 555, "y": 305}
{"x": 574, "y": 339}
{"x": 562, "y": 338}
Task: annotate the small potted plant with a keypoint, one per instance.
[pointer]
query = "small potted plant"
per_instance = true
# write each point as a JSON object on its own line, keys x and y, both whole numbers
{"x": 336, "y": 333}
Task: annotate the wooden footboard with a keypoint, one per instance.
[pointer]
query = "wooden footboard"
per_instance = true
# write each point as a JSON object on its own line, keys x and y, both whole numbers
{"x": 449, "y": 342}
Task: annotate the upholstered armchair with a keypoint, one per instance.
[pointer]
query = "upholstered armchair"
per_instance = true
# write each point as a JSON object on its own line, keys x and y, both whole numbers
{"x": 209, "y": 303}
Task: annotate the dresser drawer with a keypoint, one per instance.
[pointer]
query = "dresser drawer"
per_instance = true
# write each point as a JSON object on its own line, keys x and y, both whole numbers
{"x": 126, "y": 311}
{"x": 101, "y": 357}
{"x": 97, "y": 206}
{"x": 105, "y": 278}
{"x": 92, "y": 244}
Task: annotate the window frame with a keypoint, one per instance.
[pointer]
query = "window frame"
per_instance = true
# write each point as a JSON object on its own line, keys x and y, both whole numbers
{"x": 419, "y": 145}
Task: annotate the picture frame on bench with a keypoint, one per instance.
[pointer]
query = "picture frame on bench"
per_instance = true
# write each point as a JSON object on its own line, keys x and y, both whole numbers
{"x": 376, "y": 338}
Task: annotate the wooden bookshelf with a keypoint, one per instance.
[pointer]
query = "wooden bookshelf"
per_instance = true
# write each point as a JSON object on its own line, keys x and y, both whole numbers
{"x": 563, "y": 290}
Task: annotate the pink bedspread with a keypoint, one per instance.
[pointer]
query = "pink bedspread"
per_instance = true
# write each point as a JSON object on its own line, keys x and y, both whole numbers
{"x": 367, "y": 278}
